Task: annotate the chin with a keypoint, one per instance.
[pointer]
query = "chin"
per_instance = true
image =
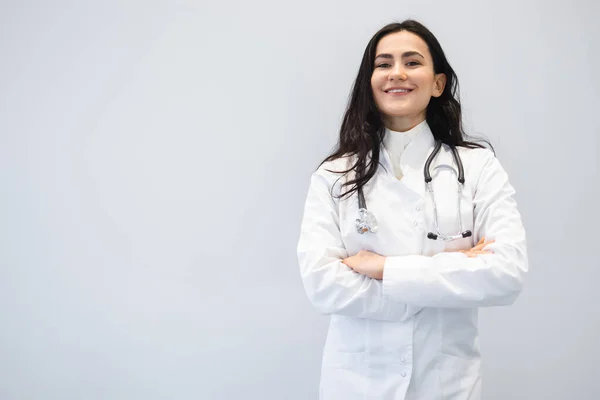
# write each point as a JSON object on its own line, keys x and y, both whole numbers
{"x": 397, "y": 113}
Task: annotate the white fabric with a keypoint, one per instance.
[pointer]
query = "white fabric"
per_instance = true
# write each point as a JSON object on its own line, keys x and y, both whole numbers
{"x": 412, "y": 335}
{"x": 395, "y": 142}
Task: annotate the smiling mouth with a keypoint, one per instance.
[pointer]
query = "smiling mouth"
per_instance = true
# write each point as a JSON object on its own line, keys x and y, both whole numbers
{"x": 398, "y": 91}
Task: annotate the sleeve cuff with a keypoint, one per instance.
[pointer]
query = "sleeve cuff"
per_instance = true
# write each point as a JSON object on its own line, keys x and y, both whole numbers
{"x": 419, "y": 280}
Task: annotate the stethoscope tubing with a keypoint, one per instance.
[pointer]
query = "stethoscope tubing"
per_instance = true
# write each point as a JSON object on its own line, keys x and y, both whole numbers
{"x": 363, "y": 226}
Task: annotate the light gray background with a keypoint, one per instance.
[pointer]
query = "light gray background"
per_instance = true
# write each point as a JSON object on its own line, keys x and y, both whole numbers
{"x": 154, "y": 161}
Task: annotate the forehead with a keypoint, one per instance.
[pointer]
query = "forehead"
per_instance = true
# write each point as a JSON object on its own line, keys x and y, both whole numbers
{"x": 400, "y": 42}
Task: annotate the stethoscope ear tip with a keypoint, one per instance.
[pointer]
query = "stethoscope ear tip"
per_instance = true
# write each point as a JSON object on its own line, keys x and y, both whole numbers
{"x": 432, "y": 236}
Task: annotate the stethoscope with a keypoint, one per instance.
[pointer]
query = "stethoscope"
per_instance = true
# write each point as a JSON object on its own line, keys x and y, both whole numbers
{"x": 366, "y": 221}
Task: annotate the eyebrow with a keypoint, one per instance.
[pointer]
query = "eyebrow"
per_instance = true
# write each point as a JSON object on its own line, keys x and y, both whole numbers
{"x": 404, "y": 55}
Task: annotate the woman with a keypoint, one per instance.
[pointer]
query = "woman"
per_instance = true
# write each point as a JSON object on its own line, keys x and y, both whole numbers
{"x": 403, "y": 273}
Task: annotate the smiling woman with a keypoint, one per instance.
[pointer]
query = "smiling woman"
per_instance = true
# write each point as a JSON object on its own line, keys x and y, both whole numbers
{"x": 403, "y": 289}
{"x": 404, "y": 80}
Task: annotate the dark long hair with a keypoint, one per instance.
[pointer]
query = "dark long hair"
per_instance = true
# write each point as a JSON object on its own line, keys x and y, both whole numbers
{"x": 362, "y": 128}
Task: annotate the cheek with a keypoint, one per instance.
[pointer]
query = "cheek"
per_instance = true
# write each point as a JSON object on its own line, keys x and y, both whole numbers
{"x": 375, "y": 85}
{"x": 375, "y": 91}
{"x": 378, "y": 80}
{"x": 424, "y": 81}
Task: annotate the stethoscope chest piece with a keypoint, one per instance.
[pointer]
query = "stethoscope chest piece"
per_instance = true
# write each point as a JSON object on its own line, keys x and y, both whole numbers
{"x": 366, "y": 222}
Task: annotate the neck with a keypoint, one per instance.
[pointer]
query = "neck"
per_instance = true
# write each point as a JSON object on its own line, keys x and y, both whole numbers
{"x": 402, "y": 124}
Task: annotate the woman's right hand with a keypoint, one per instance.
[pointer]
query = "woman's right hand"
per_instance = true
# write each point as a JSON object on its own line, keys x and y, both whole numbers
{"x": 478, "y": 248}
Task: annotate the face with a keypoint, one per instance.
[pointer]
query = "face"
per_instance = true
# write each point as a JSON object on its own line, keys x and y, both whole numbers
{"x": 403, "y": 80}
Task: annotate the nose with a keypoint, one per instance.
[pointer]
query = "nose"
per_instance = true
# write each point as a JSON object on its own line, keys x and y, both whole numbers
{"x": 398, "y": 73}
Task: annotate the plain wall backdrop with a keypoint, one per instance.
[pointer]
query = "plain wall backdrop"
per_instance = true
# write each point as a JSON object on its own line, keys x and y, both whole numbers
{"x": 154, "y": 162}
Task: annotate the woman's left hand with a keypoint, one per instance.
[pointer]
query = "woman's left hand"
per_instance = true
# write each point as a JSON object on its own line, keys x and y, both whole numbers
{"x": 366, "y": 263}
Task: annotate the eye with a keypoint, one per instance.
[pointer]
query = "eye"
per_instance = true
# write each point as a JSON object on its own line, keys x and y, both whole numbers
{"x": 382, "y": 65}
{"x": 413, "y": 63}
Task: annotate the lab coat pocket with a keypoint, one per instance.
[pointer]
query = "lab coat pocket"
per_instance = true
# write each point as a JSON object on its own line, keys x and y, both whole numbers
{"x": 343, "y": 376}
{"x": 460, "y": 378}
{"x": 460, "y": 332}
{"x": 346, "y": 335}
{"x": 341, "y": 359}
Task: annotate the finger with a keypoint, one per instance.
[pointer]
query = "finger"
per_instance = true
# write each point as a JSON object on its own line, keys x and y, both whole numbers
{"x": 479, "y": 252}
{"x": 482, "y": 245}
{"x": 481, "y": 241}
{"x": 486, "y": 243}
{"x": 478, "y": 247}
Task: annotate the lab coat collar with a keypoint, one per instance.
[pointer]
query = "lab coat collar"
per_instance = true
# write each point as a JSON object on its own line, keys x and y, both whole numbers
{"x": 413, "y": 159}
{"x": 396, "y": 142}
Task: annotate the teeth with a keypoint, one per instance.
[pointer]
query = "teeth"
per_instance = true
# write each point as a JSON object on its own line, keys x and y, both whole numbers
{"x": 398, "y": 91}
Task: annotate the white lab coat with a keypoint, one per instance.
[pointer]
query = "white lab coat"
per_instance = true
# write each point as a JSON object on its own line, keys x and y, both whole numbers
{"x": 412, "y": 335}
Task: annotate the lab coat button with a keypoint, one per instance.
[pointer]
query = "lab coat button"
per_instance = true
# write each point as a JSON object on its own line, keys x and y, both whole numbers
{"x": 418, "y": 208}
{"x": 416, "y": 223}
{"x": 403, "y": 360}
{"x": 403, "y": 374}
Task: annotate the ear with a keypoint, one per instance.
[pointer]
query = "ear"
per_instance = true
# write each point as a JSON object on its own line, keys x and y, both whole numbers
{"x": 439, "y": 85}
